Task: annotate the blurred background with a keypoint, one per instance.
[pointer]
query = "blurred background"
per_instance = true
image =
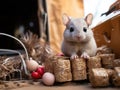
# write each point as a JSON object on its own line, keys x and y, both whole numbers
{"x": 43, "y": 17}
{"x": 16, "y": 16}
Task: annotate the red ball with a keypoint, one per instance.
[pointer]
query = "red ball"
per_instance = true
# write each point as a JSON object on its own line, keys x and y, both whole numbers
{"x": 35, "y": 75}
{"x": 40, "y": 70}
{"x": 60, "y": 54}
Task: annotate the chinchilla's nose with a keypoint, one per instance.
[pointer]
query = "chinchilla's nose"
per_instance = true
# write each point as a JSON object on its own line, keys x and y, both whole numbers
{"x": 78, "y": 37}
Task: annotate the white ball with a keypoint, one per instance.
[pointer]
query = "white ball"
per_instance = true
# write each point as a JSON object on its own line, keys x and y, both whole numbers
{"x": 48, "y": 78}
{"x": 32, "y": 65}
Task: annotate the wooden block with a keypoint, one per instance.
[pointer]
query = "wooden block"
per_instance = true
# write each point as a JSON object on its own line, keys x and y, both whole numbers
{"x": 110, "y": 72}
{"x": 49, "y": 65}
{"x": 99, "y": 77}
{"x": 94, "y": 62}
{"x": 62, "y": 70}
{"x": 116, "y": 63}
{"x": 104, "y": 50}
{"x": 107, "y": 60}
{"x": 79, "y": 69}
{"x": 116, "y": 77}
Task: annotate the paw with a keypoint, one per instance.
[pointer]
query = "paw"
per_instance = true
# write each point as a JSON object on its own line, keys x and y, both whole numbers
{"x": 85, "y": 55}
{"x": 73, "y": 57}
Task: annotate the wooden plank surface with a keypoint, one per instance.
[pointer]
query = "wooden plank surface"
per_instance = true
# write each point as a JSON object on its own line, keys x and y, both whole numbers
{"x": 66, "y": 86}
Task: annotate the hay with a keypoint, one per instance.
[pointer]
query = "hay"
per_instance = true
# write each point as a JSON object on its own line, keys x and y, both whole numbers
{"x": 62, "y": 70}
{"x": 116, "y": 63}
{"x": 79, "y": 69}
{"x": 94, "y": 62}
{"x": 37, "y": 47}
{"x": 116, "y": 77}
{"x": 9, "y": 65}
{"x": 99, "y": 77}
{"x": 107, "y": 60}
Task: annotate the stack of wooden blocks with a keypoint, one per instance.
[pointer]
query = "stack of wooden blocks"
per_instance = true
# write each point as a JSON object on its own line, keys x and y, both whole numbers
{"x": 101, "y": 70}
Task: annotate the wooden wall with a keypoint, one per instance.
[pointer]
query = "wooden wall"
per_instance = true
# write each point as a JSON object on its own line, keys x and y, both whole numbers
{"x": 55, "y": 9}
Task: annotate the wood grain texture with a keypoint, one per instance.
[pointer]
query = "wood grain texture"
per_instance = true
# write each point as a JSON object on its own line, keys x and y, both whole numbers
{"x": 55, "y": 10}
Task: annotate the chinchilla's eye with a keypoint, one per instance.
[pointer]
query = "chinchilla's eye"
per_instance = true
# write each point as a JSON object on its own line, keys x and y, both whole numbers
{"x": 85, "y": 29}
{"x": 71, "y": 29}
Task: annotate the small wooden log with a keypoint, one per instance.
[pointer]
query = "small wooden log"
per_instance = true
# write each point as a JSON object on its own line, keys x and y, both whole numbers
{"x": 104, "y": 50}
{"x": 48, "y": 66}
{"x": 62, "y": 70}
{"x": 107, "y": 60}
{"x": 116, "y": 63}
{"x": 99, "y": 77}
{"x": 94, "y": 62}
{"x": 79, "y": 69}
{"x": 116, "y": 77}
{"x": 110, "y": 72}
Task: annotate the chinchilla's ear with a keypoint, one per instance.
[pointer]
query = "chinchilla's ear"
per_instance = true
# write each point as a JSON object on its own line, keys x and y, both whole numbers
{"x": 65, "y": 19}
{"x": 89, "y": 19}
